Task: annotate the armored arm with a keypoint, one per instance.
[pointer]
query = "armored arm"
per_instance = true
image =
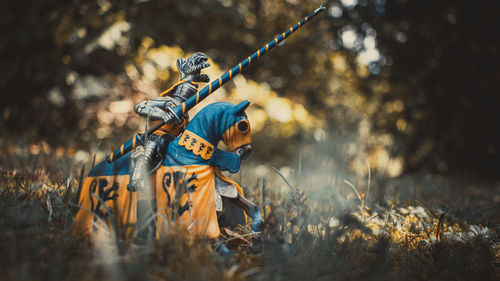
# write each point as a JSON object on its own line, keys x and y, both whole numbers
{"x": 159, "y": 108}
{"x": 155, "y": 108}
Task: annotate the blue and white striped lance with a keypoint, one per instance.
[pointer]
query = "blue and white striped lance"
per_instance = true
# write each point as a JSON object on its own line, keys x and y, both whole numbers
{"x": 216, "y": 84}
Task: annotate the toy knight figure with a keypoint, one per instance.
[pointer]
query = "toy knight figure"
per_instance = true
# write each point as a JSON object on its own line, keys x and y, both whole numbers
{"x": 160, "y": 108}
{"x": 181, "y": 159}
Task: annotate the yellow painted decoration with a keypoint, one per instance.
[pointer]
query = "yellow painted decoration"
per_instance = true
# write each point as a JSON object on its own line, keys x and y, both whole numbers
{"x": 235, "y": 138}
{"x": 115, "y": 191}
{"x": 196, "y": 207}
{"x": 196, "y": 144}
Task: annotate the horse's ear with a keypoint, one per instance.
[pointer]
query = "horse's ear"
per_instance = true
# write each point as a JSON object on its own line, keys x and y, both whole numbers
{"x": 240, "y": 108}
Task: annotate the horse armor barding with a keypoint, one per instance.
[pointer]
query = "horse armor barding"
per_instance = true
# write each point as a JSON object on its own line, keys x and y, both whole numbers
{"x": 188, "y": 187}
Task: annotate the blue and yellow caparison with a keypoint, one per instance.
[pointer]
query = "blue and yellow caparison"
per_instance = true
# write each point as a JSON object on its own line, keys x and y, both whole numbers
{"x": 192, "y": 157}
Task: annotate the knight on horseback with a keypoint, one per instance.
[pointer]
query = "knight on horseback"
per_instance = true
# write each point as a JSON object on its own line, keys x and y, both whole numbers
{"x": 188, "y": 187}
{"x": 160, "y": 108}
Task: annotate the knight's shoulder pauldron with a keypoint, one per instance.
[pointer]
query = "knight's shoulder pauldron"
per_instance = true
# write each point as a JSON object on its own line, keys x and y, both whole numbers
{"x": 185, "y": 91}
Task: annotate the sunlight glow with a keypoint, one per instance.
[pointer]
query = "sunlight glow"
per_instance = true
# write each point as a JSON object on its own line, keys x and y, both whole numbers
{"x": 370, "y": 52}
{"x": 335, "y": 11}
{"x": 279, "y": 109}
{"x": 369, "y": 55}
{"x": 349, "y": 37}
{"x": 110, "y": 38}
{"x": 120, "y": 106}
{"x": 349, "y": 3}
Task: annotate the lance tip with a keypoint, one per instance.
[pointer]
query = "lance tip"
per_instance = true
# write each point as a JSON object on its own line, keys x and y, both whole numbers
{"x": 320, "y": 8}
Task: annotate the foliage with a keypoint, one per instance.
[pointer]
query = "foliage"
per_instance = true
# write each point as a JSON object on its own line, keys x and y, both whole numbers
{"x": 334, "y": 237}
{"x": 416, "y": 77}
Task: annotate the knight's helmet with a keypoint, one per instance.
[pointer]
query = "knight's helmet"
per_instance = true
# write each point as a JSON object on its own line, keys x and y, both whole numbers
{"x": 190, "y": 69}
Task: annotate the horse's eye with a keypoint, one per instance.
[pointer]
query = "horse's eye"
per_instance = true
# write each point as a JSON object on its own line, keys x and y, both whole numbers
{"x": 243, "y": 126}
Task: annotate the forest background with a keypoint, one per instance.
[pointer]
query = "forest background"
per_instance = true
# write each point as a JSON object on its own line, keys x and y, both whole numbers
{"x": 381, "y": 115}
{"x": 410, "y": 86}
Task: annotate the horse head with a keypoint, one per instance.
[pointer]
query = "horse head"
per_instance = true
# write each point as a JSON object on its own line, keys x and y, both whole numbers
{"x": 220, "y": 121}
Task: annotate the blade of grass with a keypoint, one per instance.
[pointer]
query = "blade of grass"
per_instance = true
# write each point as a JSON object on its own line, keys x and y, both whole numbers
{"x": 110, "y": 214}
{"x": 369, "y": 183}
{"x": 292, "y": 189}
{"x": 353, "y": 188}
{"x": 80, "y": 184}
{"x": 264, "y": 197}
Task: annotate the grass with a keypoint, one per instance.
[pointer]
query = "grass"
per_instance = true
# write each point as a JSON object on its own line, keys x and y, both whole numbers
{"x": 305, "y": 237}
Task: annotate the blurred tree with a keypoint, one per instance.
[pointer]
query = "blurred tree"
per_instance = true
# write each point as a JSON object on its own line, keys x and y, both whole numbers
{"x": 444, "y": 72}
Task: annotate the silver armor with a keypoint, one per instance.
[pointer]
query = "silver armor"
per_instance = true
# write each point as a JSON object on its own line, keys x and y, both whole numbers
{"x": 159, "y": 108}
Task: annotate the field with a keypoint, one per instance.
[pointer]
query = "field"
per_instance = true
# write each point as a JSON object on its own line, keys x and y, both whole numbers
{"x": 336, "y": 231}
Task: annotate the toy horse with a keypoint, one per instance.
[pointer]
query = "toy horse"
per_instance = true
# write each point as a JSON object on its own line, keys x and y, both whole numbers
{"x": 188, "y": 186}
